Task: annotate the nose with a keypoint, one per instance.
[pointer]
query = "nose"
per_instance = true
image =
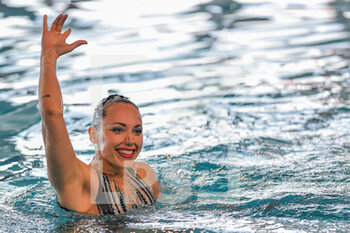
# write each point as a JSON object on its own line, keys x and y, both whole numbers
{"x": 129, "y": 139}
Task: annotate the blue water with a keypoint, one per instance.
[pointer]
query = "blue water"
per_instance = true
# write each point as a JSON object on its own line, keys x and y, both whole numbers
{"x": 245, "y": 108}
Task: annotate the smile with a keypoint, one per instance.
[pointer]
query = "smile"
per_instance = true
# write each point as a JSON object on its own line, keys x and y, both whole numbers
{"x": 126, "y": 153}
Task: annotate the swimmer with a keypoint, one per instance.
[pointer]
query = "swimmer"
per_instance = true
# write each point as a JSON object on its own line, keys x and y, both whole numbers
{"x": 113, "y": 182}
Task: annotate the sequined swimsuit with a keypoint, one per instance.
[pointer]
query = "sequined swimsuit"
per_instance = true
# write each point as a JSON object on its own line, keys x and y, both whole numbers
{"x": 112, "y": 200}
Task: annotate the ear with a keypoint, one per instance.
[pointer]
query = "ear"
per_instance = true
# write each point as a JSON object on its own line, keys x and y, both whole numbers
{"x": 93, "y": 134}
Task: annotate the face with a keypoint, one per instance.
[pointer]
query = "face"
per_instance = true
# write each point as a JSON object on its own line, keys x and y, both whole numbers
{"x": 120, "y": 138}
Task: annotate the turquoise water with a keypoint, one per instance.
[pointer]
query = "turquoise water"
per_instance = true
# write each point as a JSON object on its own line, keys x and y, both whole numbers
{"x": 245, "y": 108}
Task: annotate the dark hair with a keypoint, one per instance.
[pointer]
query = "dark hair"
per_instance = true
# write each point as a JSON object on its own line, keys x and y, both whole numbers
{"x": 100, "y": 109}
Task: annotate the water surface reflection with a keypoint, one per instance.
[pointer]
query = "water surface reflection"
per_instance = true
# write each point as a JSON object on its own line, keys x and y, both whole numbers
{"x": 246, "y": 102}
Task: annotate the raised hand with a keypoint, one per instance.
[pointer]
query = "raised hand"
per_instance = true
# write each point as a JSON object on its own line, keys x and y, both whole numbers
{"x": 53, "y": 41}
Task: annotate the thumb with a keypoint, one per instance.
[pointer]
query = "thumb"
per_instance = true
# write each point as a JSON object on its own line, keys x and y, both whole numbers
{"x": 77, "y": 44}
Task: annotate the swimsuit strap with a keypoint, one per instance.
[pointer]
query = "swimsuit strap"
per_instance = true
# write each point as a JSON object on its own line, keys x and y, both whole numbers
{"x": 106, "y": 201}
{"x": 138, "y": 183}
{"x": 111, "y": 199}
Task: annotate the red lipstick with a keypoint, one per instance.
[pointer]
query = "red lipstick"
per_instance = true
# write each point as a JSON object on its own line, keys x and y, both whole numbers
{"x": 126, "y": 152}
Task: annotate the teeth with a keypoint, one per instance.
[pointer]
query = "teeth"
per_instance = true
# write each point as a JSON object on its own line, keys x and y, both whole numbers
{"x": 127, "y": 152}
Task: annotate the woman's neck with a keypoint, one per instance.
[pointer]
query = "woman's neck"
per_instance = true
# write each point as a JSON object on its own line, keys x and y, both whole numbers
{"x": 103, "y": 166}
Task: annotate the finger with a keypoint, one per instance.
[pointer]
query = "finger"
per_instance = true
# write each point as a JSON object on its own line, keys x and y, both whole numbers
{"x": 61, "y": 22}
{"x": 54, "y": 23}
{"x": 77, "y": 44}
{"x": 67, "y": 33}
{"x": 45, "y": 23}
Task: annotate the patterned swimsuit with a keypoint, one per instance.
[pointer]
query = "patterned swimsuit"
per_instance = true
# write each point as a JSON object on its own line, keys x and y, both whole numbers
{"x": 112, "y": 200}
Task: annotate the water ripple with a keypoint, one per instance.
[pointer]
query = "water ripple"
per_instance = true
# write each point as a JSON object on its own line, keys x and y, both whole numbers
{"x": 245, "y": 102}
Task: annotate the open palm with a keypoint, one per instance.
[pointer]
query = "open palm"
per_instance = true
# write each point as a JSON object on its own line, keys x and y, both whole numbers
{"x": 53, "y": 41}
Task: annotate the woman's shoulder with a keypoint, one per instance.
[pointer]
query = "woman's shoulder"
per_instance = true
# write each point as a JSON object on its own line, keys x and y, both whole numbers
{"x": 147, "y": 174}
{"x": 143, "y": 170}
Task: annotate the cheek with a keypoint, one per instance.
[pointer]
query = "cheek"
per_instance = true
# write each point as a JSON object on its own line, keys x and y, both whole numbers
{"x": 140, "y": 141}
{"x": 107, "y": 139}
{"x": 116, "y": 139}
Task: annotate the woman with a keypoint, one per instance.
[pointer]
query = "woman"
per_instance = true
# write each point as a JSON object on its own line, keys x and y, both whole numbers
{"x": 113, "y": 182}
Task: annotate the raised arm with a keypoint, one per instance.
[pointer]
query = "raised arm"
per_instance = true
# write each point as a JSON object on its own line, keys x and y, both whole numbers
{"x": 65, "y": 171}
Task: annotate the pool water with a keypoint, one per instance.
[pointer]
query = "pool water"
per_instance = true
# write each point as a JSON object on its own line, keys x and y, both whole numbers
{"x": 245, "y": 108}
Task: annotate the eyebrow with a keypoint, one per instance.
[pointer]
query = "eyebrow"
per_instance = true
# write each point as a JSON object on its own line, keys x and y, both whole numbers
{"x": 124, "y": 125}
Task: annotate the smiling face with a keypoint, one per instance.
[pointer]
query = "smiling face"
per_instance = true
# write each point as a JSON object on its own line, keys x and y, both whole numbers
{"x": 119, "y": 139}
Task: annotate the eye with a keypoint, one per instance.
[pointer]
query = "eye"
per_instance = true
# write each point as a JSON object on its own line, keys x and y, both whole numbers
{"x": 137, "y": 131}
{"x": 117, "y": 129}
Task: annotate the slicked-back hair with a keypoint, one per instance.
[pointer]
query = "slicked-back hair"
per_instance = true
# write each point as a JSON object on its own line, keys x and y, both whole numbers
{"x": 100, "y": 109}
